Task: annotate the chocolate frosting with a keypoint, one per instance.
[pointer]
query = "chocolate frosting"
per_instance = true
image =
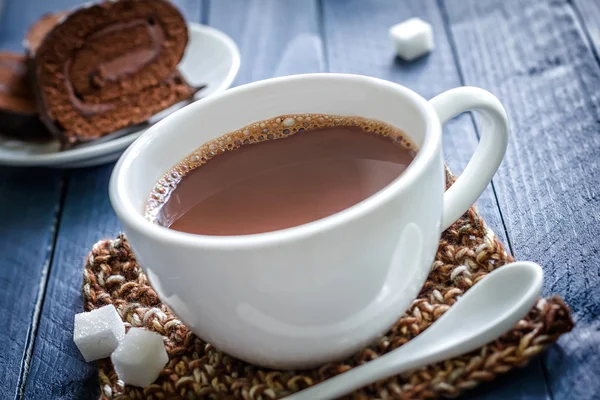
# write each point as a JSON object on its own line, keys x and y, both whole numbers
{"x": 85, "y": 109}
{"x": 130, "y": 63}
{"x": 113, "y": 70}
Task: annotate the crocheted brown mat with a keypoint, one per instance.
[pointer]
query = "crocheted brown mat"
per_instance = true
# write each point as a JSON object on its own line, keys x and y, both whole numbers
{"x": 467, "y": 252}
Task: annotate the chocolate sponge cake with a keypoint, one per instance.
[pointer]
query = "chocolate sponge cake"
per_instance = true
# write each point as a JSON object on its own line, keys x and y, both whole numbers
{"x": 18, "y": 111}
{"x": 108, "y": 66}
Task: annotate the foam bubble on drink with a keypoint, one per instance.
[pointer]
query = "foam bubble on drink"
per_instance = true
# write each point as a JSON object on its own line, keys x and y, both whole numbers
{"x": 140, "y": 357}
{"x": 97, "y": 333}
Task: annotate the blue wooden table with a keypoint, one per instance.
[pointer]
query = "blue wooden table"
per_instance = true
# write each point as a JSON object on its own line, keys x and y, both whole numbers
{"x": 540, "y": 57}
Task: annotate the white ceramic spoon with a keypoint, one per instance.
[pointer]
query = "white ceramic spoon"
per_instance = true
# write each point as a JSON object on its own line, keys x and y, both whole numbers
{"x": 486, "y": 311}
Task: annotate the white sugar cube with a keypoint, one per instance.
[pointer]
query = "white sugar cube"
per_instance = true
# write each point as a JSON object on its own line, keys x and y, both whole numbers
{"x": 412, "y": 38}
{"x": 140, "y": 357}
{"x": 97, "y": 333}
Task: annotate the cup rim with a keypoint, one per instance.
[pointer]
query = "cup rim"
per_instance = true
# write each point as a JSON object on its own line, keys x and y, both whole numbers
{"x": 133, "y": 218}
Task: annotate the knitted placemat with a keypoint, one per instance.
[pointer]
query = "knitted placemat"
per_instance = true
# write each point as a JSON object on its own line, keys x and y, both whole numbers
{"x": 468, "y": 251}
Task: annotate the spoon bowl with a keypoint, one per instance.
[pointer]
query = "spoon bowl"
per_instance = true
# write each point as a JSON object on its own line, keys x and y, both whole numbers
{"x": 485, "y": 312}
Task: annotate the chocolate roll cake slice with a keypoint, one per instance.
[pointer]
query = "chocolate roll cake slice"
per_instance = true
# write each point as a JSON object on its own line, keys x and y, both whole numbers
{"x": 109, "y": 66}
{"x": 18, "y": 111}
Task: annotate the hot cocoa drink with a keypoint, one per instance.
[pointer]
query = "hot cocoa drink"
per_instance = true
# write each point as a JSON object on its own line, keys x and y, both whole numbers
{"x": 279, "y": 173}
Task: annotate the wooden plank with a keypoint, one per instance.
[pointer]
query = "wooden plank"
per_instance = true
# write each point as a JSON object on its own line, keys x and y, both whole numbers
{"x": 29, "y": 204}
{"x": 272, "y": 36}
{"x": 371, "y": 53}
{"x": 57, "y": 369}
{"x": 534, "y": 56}
{"x": 589, "y": 12}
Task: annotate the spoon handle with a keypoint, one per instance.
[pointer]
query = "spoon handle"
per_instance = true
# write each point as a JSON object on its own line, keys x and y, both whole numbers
{"x": 425, "y": 349}
{"x": 409, "y": 356}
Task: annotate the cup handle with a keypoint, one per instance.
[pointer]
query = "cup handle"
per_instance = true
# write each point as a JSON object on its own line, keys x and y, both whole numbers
{"x": 489, "y": 153}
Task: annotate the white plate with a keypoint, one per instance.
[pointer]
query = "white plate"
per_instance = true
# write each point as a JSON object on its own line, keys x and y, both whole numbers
{"x": 211, "y": 58}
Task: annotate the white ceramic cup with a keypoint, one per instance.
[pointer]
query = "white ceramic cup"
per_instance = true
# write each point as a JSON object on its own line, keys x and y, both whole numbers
{"x": 317, "y": 292}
